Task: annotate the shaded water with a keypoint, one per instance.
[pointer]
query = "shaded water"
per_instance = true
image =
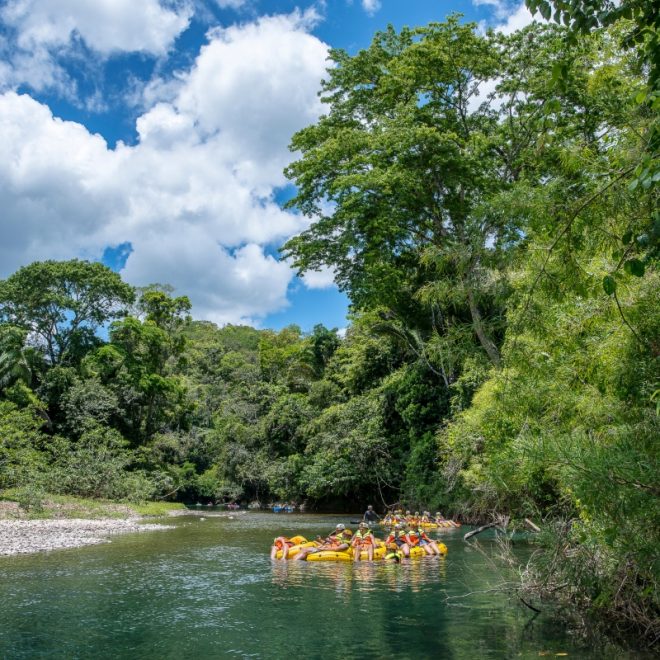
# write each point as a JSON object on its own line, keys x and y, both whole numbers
{"x": 208, "y": 589}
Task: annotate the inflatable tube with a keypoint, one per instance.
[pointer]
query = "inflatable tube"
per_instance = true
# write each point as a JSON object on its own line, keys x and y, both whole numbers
{"x": 330, "y": 555}
{"x": 417, "y": 551}
{"x": 297, "y": 540}
{"x": 379, "y": 553}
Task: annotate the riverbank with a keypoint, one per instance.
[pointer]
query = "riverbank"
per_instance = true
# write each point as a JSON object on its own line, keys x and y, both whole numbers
{"x": 60, "y": 522}
{"x": 29, "y": 536}
{"x": 68, "y": 522}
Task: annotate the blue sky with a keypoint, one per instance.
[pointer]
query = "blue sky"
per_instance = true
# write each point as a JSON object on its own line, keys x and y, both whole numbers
{"x": 152, "y": 136}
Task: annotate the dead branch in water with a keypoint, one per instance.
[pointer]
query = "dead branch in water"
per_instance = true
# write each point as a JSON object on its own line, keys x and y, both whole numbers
{"x": 499, "y": 524}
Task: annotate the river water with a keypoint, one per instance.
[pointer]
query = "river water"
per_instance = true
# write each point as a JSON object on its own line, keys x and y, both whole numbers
{"x": 207, "y": 589}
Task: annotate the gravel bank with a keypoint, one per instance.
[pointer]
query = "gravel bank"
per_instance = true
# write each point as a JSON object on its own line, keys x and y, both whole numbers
{"x": 26, "y": 536}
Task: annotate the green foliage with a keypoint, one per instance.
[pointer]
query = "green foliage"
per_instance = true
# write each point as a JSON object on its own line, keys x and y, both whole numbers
{"x": 62, "y": 303}
{"x": 346, "y": 451}
{"x": 96, "y": 466}
{"x": 405, "y": 164}
{"x": 22, "y": 464}
{"x": 18, "y": 362}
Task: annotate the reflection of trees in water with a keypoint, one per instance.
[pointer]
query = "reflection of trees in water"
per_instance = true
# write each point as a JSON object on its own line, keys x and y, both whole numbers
{"x": 388, "y": 594}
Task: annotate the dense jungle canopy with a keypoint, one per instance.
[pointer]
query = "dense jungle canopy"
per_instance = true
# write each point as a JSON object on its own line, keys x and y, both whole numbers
{"x": 489, "y": 203}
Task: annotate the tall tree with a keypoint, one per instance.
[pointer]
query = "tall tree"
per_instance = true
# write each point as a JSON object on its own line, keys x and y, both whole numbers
{"x": 399, "y": 168}
{"x": 62, "y": 304}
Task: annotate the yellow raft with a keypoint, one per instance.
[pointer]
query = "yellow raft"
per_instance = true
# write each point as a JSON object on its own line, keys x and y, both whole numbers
{"x": 428, "y": 525}
{"x": 379, "y": 554}
{"x": 330, "y": 555}
{"x": 418, "y": 551}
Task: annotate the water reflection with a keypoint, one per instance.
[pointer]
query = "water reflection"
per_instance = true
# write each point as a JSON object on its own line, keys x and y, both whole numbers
{"x": 415, "y": 575}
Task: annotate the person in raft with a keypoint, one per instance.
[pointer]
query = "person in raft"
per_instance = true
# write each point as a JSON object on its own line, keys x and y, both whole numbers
{"x": 281, "y": 543}
{"x": 429, "y": 546}
{"x": 411, "y": 536}
{"x": 338, "y": 540}
{"x": 370, "y": 516}
{"x": 439, "y": 518}
{"x": 399, "y": 539}
{"x": 363, "y": 539}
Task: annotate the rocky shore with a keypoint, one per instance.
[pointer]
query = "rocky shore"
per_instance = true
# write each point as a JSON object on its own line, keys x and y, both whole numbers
{"x": 27, "y": 536}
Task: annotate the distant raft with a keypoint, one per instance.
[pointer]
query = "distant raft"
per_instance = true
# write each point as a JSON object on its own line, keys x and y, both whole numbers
{"x": 442, "y": 524}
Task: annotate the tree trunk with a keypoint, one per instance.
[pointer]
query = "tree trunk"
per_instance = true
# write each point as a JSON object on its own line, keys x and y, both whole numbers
{"x": 477, "y": 322}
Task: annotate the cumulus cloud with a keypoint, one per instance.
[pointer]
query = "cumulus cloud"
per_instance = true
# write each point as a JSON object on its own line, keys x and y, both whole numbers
{"x": 507, "y": 16}
{"x": 371, "y": 6}
{"x": 39, "y": 32}
{"x": 195, "y": 196}
{"x": 507, "y": 19}
{"x": 515, "y": 20}
{"x": 106, "y": 26}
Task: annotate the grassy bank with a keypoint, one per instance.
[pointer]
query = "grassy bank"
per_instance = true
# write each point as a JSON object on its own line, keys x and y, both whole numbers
{"x": 28, "y": 504}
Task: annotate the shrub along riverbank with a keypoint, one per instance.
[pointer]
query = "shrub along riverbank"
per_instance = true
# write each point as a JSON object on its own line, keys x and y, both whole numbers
{"x": 500, "y": 254}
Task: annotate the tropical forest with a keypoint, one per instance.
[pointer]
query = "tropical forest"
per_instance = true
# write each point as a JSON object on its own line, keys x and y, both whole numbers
{"x": 489, "y": 204}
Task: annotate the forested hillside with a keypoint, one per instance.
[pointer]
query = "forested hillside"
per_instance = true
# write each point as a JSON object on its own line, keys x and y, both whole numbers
{"x": 489, "y": 203}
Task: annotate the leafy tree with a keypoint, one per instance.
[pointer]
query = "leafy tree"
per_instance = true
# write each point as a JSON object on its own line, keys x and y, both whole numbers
{"x": 137, "y": 366}
{"x": 21, "y": 460}
{"x": 405, "y": 166}
{"x": 62, "y": 303}
{"x": 18, "y": 362}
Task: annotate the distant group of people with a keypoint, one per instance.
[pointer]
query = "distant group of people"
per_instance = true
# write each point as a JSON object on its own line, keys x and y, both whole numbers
{"x": 415, "y": 519}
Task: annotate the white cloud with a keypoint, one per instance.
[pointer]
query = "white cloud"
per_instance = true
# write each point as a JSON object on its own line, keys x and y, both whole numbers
{"x": 517, "y": 20}
{"x": 508, "y": 19}
{"x": 371, "y": 6}
{"x": 106, "y": 26}
{"x": 194, "y": 196}
{"x": 324, "y": 278}
{"x": 39, "y": 32}
{"x": 253, "y": 83}
{"x": 507, "y": 16}
{"x": 231, "y": 4}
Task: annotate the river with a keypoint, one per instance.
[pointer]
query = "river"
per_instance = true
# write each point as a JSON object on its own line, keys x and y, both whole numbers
{"x": 207, "y": 589}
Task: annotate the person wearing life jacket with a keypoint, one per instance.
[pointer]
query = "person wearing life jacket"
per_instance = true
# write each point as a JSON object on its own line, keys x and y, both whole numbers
{"x": 338, "y": 540}
{"x": 412, "y": 537}
{"x": 426, "y": 517}
{"x": 397, "y": 540}
{"x": 281, "y": 543}
{"x": 363, "y": 539}
{"x": 429, "y": 546}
